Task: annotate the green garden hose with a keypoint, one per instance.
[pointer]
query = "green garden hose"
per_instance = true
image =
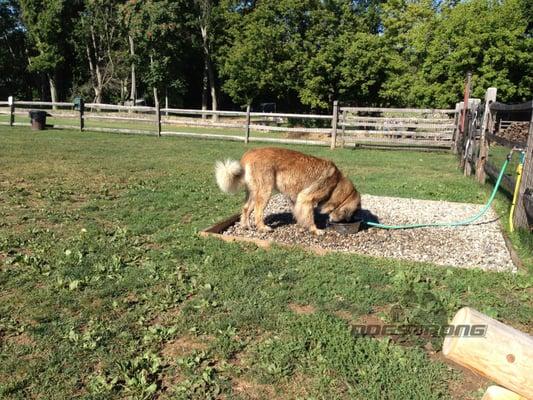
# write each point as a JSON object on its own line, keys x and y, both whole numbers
{"x": 467, "y": 221}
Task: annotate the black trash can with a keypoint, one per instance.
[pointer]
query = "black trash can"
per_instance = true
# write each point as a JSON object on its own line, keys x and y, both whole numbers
{"x": 38, "y": 120}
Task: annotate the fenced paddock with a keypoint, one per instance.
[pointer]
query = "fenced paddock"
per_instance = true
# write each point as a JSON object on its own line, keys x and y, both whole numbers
{"x": 430, "y": 129}
{"x": 491, "y": 130}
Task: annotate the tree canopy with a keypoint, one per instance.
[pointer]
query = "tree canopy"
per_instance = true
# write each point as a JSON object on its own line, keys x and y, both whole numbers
{"x": 301, "y": 54}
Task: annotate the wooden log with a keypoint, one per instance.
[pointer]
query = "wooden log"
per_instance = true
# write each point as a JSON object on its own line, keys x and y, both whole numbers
{"x": 499, "y": 393}
{"x": 503, "y": 354}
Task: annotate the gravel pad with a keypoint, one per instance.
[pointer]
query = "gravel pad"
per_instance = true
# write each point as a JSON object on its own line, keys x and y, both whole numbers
{"x": 479, "y": 245}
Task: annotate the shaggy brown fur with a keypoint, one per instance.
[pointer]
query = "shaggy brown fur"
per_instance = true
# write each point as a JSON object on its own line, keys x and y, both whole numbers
{"x": 308, "y": 182}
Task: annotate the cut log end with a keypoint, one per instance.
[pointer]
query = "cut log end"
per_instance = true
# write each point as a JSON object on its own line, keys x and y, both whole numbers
{"x": 500, "y": 353}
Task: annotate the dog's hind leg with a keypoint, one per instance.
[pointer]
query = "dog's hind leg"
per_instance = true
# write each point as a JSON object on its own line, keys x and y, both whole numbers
{"x": 260, "y": 201}
{"x": 247, "y": 210}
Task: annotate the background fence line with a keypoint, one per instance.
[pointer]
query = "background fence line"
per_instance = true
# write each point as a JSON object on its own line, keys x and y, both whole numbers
{"x": 361, "y": 126}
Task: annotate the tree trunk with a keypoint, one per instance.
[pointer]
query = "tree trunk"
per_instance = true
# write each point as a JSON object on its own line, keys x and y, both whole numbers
{"x": 205, "y": 85}
{"x": 53, "y": 90}
{"x": 214, "y": 102}
{"x": 210, "y": 71}
{"x": 99, "y": 86}
{"x": 156, "y": 94}
{"x": 133, "y": 92}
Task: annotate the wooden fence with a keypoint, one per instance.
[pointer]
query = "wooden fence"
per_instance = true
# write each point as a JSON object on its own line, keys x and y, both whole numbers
{"x": 346, "y": 126}
{"x": 488, "y": 129}
{"x": 410, "y": 127}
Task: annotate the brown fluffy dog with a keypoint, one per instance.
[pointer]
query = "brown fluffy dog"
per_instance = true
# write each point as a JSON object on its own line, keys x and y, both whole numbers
{"x": 307, "y": 181}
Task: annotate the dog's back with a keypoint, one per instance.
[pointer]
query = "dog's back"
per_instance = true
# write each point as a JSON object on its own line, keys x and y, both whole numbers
{"x": 286, "y": 170}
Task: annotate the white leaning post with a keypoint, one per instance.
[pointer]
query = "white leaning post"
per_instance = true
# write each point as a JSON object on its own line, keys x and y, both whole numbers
{"x": 334, "y": 119}
{"x": 11, "y": 103}
{"x": 158, "y": 118}
{"x": 247, "y": 127}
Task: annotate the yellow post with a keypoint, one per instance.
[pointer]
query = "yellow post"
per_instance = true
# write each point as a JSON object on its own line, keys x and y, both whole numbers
{"x": 516, "y": 190}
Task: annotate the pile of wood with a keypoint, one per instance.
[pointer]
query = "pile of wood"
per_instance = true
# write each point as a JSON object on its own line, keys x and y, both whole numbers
{"x": 516, "y": 132}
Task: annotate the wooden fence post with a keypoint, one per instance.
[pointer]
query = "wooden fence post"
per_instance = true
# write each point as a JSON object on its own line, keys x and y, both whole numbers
{"x": 11, "y": 102}
{"x": 463, "y": 131}
{"x": 465, "y": 100}
{"x": 343, "y": 127}
{"x": 158, "y": 117}
{"x": 486, "y": 125}
{"x": 470, "y": 136}
{"x": 520, "y": 217}
{"x": 82, "y": 111}
{"x": 334, "y": 119}
{"x": 456, "y": 135}
{"x": 247, "y": 126}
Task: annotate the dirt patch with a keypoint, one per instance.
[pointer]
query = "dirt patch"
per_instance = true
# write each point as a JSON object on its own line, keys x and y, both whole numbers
{"x": 167, "y": 317}
{"x": 296, "y": 387}
{"x": 183, "y": 346}
{"x": 469, "y": 383}
{"x": 302, "y": 309}
{"x": 22, "y": 339}
{"x": 251, "y": 390}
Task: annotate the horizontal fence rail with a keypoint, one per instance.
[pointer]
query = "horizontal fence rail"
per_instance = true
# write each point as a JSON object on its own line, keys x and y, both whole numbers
{"x": 399, "y": 110}
{"x": 385, "y": 127}
{"x": 496, "y": 106}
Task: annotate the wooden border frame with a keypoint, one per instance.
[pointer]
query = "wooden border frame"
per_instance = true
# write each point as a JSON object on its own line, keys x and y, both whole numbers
{"x": 217, "y": 229}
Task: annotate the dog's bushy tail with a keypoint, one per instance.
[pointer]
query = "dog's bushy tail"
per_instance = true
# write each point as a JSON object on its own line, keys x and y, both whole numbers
{"x": 229, "y": 175}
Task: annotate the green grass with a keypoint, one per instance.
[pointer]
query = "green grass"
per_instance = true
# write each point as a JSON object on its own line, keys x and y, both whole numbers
{"x": 107, "y": 291}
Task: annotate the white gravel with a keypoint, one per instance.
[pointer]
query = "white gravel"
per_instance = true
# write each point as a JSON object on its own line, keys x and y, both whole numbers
{"x": 479, "y": 245}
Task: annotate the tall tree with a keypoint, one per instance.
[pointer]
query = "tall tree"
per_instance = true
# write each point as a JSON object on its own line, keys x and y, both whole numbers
{"x": 14, "y": 78}
{"x": 408, "y": 30}
{"x": 206, "y": 25}
{"x": 489, "y": 38}
{"x": 100, "y": 38}
{"x": 159, "y": 31}
{"x": 46, "y": 25}
{"x": 262, "y": 60}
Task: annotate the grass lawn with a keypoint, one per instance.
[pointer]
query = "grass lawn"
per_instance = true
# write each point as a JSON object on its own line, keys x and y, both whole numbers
{"x": 106, "y": 290}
